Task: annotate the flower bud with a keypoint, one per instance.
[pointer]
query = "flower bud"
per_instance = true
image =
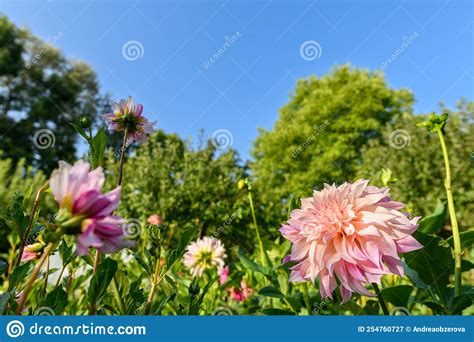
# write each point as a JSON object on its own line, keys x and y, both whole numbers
{"x": 85, "y": 122}
{"x": 241, "y": 184}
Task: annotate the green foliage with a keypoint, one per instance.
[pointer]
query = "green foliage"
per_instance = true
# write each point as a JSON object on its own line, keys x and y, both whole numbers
{"x": 29, "y": 67}
{"x": 187, "y": 187}
{"x": 319, "y": 134}
{"x": 101, "y": 280}
{"x": 417, "y": 162}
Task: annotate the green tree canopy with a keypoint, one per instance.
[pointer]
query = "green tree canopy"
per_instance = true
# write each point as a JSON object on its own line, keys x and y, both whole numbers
{"x": 186, "y": 186}
{"x": 319, "y": 134}
{"x": 41, "y": 89}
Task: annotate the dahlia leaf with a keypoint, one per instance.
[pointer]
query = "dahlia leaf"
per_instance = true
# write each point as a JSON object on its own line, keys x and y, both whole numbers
{"x": 3, "y": 267}
{"x": 432, "y": 223}
{"x": 66, "y": 253}
{"x": 270, "y": 291}
{"x": 467, "y": 239}
{"x": 249, "y": 263}
{"x": 277, "y": 312}
{"x": 398, "y": 295}
{"x": 19, "y": 274}
{"x": 461, "y": 303}
{"x": 57, "y": 300}
{"x": 4, "y": 297}
{"x": 432, "y": 263}
{"x": 98, "y": 148}
{"x": 101, "y": 280}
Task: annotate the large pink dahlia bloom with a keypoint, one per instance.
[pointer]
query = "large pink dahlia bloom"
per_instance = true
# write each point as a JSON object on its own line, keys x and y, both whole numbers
{"x": 352, "y": 233}
{"x": 127, "y": 116}
{"x": 85, "y": 210}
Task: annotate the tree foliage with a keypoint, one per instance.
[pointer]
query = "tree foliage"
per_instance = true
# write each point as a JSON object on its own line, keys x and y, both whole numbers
{"x": 319, "y": 134}
{"x": 41, "y": 89}
{"x": 186, "y": 186}
{"x": 416, "y": 161}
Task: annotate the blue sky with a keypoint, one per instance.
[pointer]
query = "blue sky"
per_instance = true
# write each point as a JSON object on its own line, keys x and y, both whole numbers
{"x": 243, "y": 88}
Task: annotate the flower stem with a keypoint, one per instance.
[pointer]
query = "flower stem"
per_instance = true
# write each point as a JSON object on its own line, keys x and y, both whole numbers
{"x": 122, "y": 156}
{"x": 96, "y": 261}
{"x": 155, "y": 279}
{"x": 452, "y": 216}
{"x": 32, "y": 279}
{"x": 381, "y": 300}
{"x": 24, "y": 238}
{"x": 257, "y": 232}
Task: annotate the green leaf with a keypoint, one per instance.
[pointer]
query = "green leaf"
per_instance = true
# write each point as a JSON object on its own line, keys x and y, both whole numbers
{"x": 432, "y": 223}
{"x": 398, "y": 295}
{"x": 276, "y": 312}
{"x": 461, "y": 303}
{"x": 19, "y": 274}
{"x": 249, "y": 263}
{"x": 56, "y": 300}
{"x": 270, "y": 291}
{"x": 183, "y": 242}
{"x": 99, "y": 143}
{"x": 164, "y": 302}
{"x": 3, "y": 267}
{"x": 466, "y": 265}
{"x": 101, "y": 280}
{"x": 437, "y": 309}
{"x": 80, "y": 130}
{"x": 142, "y": 263}
{"x": 433, "y": 263}
{"x": 4, "y": 297}
{"x": 467, "y": 239}
{"x": 372, "y": 307}
{"x": 66, "y": 253}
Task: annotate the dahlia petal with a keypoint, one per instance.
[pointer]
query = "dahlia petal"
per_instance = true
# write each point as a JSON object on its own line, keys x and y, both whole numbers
{"x": 408, "y": 244}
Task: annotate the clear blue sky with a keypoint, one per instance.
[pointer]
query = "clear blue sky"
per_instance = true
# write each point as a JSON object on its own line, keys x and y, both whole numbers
{"x": 246, "y": 85}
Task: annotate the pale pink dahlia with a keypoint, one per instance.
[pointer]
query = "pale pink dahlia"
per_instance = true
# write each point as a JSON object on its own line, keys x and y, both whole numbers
{"x": 352, "y": 233}
{"x": 85, "y": 210}
{"x": 203, "y": 254}
{"x": 127, "y": 117}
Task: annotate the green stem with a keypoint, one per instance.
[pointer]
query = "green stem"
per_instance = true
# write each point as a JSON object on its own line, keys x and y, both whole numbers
{"x": 259, "y": 240}
{"x": 381, "y": 300}
{"x": 24, "y": 238}
{"x": 26, "y": 290}
{"x": 155, "y": 280}
{"x": 117, "y": 296}
{"x": 452, "y": 216}
{"x": 306, "y": 298}
{"x": 122, "y": 156}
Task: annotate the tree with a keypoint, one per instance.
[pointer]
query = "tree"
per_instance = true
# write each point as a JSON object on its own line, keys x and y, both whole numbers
{"x": 185, "y": 186}
{"x": 319, "y": 134}
{"x": 41, "y": 93}
{"x": 415, "y": 158}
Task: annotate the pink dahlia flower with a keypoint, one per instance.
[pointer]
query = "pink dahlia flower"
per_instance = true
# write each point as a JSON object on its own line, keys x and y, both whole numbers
{"x": 85, "y": 210}
{"x": 155, "y": 220}
{"x": 203, "y": 254}
{"x": 240, "y": 294}
{"x": 352, "y": 233}
{"x": 127, "y": 116}
{"x": 223, "y": 274}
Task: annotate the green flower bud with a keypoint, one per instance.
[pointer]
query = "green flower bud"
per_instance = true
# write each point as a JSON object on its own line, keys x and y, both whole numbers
{"x": 85, "y": 122}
